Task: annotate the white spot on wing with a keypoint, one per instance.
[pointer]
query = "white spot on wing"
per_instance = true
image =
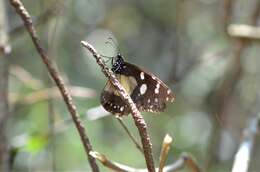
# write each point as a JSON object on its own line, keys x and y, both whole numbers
{"x": 122, "y": 108}
{"x": 142, "y": 75}
{"x": 168, "y": 91}
{"x": 148, "y": 100}
{"x": 156, "y": 90}
{"x": 156, "y": 100}
{"x": 143, "y": 89}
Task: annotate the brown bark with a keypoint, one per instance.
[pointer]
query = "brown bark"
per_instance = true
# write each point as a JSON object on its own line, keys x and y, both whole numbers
{"x": 54, "y": 73}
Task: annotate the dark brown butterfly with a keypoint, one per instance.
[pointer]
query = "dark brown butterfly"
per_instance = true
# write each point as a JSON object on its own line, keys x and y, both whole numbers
{"x": 148, "y": 92}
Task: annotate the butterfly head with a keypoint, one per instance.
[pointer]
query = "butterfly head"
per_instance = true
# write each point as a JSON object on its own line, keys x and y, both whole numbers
{"x": 118, "y": 64}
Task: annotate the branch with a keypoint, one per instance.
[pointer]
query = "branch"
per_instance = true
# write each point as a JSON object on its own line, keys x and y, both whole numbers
{"x": 244, "y": 31}
{"x": 138, "y": 119}
{"x": 183, "y": 161}
{"x": 51, "y": 93}
{"x": 25, "y": 77}
{"x": 42, "y": 19}
{"x": 109, "y": 164}
{"x": 245, "y": 150}
{"x": 20, "y": 9}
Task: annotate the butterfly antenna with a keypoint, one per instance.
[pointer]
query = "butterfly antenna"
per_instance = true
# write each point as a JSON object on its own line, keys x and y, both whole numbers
{"x": 107, "y": 57}
{"x": 114, "y": 44}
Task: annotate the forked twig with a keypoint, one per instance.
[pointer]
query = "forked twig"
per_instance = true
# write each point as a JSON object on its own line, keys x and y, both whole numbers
{"x": 183, "y": 161}
{"x": 25, "y": 16}
{"x": 138, "y": 119}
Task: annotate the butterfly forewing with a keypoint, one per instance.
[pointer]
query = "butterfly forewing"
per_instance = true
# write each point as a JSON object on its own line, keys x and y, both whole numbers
{"x": 151, "y": 93}
{"x": 148, "y": 92}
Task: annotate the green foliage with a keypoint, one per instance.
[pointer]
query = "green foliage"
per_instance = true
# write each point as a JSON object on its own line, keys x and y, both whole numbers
{"x": 36, "y": 143}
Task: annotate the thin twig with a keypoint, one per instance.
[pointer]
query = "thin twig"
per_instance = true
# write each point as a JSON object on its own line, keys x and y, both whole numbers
{"x": 43, "y": 19}
{"x": 138, "y": 119}
{"x": 244, "y": 31}
{"x": 129, "y": 134}
{"x": 183, "y": 161}
{"x": 52, "y": 93}
{"x": 245, "y": 150}
{"x": 164, "y": 152}
{"x": 107, "y": 163}
{"x": 25, "y": 77}
{"x": 96, "y": 113}
{"x": 20, "y": 9}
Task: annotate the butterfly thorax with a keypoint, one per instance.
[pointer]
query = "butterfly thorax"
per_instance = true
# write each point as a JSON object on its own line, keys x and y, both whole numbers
{"x": 118, "y": 66}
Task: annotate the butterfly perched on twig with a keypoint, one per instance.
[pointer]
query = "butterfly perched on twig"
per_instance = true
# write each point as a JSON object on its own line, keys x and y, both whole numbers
{"x": 147, "y": 91}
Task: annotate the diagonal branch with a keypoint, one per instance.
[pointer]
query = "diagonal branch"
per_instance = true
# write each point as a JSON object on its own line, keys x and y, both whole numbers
{"x": 20, "y": 9}
{"x": 138, "y": 119}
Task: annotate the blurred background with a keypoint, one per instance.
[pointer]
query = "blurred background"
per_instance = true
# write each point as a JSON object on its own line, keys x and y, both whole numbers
{"x": 190, "y": 45}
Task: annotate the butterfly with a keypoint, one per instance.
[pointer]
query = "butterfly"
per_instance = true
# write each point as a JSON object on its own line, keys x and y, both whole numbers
{"x": 147, "y": 91}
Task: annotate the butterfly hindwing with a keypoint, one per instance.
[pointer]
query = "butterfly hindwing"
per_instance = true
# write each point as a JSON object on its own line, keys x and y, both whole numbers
{"x": 110, "y": 98}
{"x": 114, "y": 104}
{"x": 151, "y": 93}
{"x": 148, "y": 92}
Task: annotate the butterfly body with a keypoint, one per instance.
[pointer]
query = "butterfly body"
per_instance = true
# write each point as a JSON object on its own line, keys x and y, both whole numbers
{"x": 147, "y": 91}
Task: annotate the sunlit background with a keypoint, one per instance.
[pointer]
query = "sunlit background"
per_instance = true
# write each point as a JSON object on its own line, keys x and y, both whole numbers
{"x": 214, "y": 76}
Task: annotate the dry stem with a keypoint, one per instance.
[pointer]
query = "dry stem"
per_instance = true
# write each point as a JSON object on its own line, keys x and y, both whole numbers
{"x": 244, "y": 31}
{"x": 130, "y": 135}
{"x": 243, "y": 155}
{"x": 138, "y": 119}
{"x": 184, "y": 161}
{"x": 52, "y": 93}
{"x": 164, "y": 152}
{"x": 20, "y": 9}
